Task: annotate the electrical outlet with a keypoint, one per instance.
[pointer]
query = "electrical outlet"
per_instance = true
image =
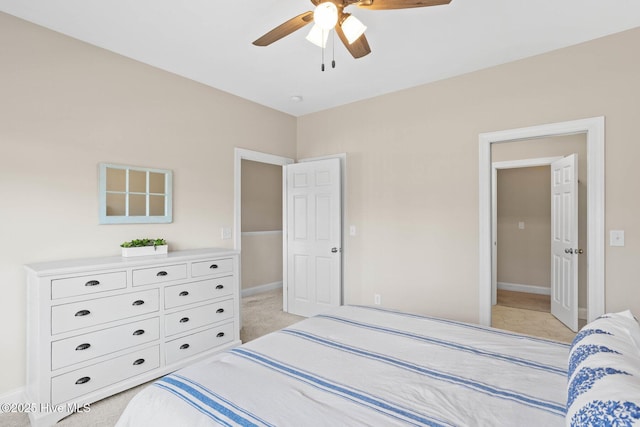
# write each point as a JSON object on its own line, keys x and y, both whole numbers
{"x": 376, "y": 299}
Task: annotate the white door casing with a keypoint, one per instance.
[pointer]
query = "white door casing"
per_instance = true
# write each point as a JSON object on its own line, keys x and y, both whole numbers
{"x": 314, "y": 236}
{"x": 594, "y": 128}
{"x": 564, "y": 240}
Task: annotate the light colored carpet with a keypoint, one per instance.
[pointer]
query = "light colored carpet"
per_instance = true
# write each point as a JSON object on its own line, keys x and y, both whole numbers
{"x": 524, "y": 300}
{"x": 531, "y": 322}
{"x": 261, "y": 314}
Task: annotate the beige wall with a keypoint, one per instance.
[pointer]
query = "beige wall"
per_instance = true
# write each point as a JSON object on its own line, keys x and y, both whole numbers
{"x": 261, "y": 212}
{"x": 412, "y": 171}
{"x": 524, "y": 255}
{"x": 412, "y": 164}
{"x": 65, "y": 107}
{"x": 261, "y": 196}
{"x": 549, "y": 147}
{"x": 261, "y": 259}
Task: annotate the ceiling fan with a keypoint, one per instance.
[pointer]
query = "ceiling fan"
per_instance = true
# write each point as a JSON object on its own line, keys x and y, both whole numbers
{"x": 330, "y": 14}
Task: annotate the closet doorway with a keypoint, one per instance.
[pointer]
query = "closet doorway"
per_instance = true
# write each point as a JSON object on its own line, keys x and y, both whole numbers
{"x": 593, "y": 131}
{"x": 523, "y": 224}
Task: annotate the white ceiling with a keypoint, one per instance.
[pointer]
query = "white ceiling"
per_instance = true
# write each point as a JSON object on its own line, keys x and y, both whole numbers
{"x": 209, "y": 41}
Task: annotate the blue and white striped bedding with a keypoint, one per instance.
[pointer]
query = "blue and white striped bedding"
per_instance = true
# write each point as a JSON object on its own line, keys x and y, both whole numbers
{"x": 363, "y": 366}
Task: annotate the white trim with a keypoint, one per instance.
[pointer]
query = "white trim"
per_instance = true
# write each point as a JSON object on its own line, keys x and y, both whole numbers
{"x": 530, "y": 289}
{"x": 254, "y": 290}
{"x": 13, "y": 396}
{"x": 594, "y": 129}
{"x": 261, "y": 233}
{"x": 509, "y": 164}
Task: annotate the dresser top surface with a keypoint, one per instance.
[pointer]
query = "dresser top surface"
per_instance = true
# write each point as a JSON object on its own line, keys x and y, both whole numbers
{"x": 72, "y": 265}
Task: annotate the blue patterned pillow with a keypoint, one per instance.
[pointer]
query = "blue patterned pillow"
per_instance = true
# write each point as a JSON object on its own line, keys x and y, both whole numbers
{"x": 604, "y": 373}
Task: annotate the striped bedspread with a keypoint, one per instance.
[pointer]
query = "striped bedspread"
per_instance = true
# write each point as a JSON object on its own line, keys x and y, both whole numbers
{"x": 364, "y": 366}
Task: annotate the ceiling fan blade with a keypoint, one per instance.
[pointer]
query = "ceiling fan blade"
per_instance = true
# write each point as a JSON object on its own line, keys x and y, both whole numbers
{"x": 399, "y": 4}
{"x": 285, "y": 29}
{"x": 357, "y": 49}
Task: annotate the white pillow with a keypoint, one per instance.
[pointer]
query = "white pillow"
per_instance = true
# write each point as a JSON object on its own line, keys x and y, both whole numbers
{"x": 604, "y": 373}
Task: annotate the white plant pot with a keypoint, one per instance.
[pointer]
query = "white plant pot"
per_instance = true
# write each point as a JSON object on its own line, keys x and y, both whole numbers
{"x": 145, "y": 251}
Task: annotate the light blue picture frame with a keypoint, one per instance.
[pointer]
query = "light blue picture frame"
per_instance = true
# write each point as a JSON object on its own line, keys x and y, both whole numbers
{"x": 148, "y": 200}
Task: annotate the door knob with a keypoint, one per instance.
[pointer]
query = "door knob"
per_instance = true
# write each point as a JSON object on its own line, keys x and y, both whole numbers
{"x": 578, "y": 251}
{"x": 568, "y": 251}
{"x": 334, "y": 250}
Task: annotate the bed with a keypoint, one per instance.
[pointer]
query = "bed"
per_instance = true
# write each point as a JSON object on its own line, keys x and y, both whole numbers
{"x": 366, "y": 366}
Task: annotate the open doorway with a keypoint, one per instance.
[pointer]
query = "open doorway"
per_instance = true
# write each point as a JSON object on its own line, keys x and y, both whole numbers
{"x": 593, "y": 130}
{"x": 522, "y": 228}
{"x": 259, "y": 237}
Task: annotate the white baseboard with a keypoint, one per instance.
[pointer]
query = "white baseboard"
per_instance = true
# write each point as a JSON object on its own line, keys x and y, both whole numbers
{"x": 13, "y": 396}
{"x": 531, "y": 289}
{"x": 261, "y": 288}
{"x": 540, "y": 290}
{"x": 582, "y": 313}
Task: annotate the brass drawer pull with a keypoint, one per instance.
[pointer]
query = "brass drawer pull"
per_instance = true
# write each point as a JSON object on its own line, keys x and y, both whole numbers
{"x": 184, "y": 346}
{"x": 83, "y": 380}
{"x": 220, "y": 310}
{"x": 137, "y": 302}
{"x": 83, "y": 346}
{"x": 220, "y": 287}
{"x": 92, "y": 283}
{"x": 138, "y": 332}
{"x": 162, "y": 273}
{"x": 183, "y": 294}
{"x": 184, "y": 320}
{"x": 220, "y": 334}
{"x": 138, "y": 362}
{"x": 82, "y": 313}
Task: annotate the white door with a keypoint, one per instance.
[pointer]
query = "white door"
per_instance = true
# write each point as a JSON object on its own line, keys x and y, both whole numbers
{"x": 314, "y": 237}
{"x": 564, "y": 240}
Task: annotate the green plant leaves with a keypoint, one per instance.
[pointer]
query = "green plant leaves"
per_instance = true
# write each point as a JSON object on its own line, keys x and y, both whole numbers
{"x": 136, "y": 243}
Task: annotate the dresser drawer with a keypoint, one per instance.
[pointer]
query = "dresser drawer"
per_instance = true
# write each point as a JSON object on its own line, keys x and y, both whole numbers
{"x": 184, "y": 347}
{"x": 177, "y": 295}
{"x": 88, "y": 346}
{"x": 212, "y": 267}
{"x": 77, "y": 315}
{"x": 162, "y": 274}
{"x": 83, "y": 381}
{"x": 81, "y": 285}
{"x": 185, "y": 320}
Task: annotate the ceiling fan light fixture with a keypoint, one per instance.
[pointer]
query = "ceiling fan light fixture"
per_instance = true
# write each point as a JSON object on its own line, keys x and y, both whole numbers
{"x": 352, "y": 28}
{"x": 326, "y": 15}
{"x": 318, "y": 36}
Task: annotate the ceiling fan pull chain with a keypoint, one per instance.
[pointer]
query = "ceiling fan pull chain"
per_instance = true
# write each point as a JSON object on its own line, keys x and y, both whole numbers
{"x": 333, "y": 50}
{"x": 322, "y": 51}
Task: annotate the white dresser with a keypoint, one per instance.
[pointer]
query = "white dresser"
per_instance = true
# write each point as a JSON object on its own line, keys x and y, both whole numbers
{"x": 98, "y": 326}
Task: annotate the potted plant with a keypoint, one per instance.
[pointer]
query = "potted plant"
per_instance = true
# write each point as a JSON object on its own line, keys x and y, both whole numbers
{"x": 144, "y": 247}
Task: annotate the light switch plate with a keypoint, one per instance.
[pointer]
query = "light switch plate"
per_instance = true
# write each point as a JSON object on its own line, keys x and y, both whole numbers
{"x": 616, "y": 238}
{"x": 521, "y": 225}
{"x": 352, "y": 230}
{"x": 225, "y": 233}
